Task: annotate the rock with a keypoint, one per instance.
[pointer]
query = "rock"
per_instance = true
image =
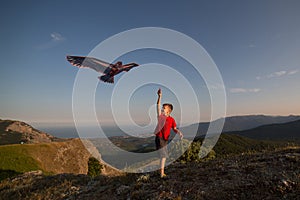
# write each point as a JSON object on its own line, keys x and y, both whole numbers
{"x": 122, "y": 189}
{"x": 17, "y": 132}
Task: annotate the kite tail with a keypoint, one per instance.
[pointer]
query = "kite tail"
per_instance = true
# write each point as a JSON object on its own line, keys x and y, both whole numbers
{"x": 107, "y": 78}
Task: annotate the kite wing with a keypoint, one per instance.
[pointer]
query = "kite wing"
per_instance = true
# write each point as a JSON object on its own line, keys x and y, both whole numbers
{"x": 129, "y": 66}
{"x": 89, "y": 62}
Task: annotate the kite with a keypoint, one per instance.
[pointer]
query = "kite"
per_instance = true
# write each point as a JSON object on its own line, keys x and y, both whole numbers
{"x": 107, "y": 69}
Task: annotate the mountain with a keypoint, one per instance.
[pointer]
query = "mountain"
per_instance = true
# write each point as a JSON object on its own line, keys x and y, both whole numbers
{"x": 17, "y": 132}
{"x": 239, "y": 123}
{"x": 24, "y": 148}
{"x": 56, "y": 157}
{"x": 69, "y": 156}
{"x": 285, "y": 131}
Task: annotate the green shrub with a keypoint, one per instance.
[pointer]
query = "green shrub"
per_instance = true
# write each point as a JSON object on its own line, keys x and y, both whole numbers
{"x": 192, "y": 151}
{"x": 94, "y": 167}
{"x": 210, "y": 156}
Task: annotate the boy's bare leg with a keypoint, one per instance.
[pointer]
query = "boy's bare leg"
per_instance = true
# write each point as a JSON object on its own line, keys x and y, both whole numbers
{"x": 162, "y": 166}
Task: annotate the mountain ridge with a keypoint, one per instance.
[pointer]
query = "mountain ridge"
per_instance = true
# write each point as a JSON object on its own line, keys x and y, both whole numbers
{"x": 284, "y": 131}
{"x": 18, "y": 132}
{"x": 238, "y": 123}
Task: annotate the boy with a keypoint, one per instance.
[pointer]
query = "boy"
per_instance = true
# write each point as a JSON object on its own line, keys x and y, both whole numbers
{"x": 164, "y": 124}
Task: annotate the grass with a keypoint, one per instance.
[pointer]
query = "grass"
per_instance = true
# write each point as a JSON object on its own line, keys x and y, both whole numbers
{"x": 14, "y": 159}
{"x": 51, "y": 158}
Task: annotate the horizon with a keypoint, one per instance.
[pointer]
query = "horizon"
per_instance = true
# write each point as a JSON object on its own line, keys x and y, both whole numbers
{"x": 254, "y": 45}
{"x": 110, "y": 125}
{"x": 86, "y": 131}
{"x": 57, "y": 124}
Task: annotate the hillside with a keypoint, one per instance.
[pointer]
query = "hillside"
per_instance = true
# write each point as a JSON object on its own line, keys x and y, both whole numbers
{"x": 70, "y": 156}
{"x": 285, "y": 131}
{"x": 56, "y": 157}
{"x": 268, "y": 175}
{"x": 227, "y": 144}
{"x": 231, "y": 144}
{"x": 17, "y": 132}
{"x": 240, "y": 123}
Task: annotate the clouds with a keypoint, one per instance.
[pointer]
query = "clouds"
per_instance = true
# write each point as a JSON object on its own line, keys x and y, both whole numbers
{"x": 278, "y": 74}
{"x": 292, "y": 72}
{"x": 272, "y": 75}
{"x": 54, "y": 39}
{"x": 244, "y": 90}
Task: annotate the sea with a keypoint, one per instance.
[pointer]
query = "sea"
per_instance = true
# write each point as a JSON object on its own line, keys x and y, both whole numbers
{"x": 89, "y": 131}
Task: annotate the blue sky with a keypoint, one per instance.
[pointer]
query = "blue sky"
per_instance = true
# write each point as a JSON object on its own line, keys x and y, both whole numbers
{"x": 255, "y": 45}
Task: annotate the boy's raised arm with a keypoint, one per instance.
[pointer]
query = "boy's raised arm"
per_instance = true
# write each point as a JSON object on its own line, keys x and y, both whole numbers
{"x": 158, "y": 110}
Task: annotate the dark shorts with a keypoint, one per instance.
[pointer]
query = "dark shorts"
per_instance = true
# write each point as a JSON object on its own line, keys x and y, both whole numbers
{"x": 161, "y": 146}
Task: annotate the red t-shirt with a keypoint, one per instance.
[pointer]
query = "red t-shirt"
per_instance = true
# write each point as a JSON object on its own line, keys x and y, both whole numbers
{"x": 164, "y": 126}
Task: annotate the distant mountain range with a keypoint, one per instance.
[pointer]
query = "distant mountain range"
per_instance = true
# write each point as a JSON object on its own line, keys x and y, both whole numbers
{"x": 285, "y": 131}
{"x": 240, "y": 123}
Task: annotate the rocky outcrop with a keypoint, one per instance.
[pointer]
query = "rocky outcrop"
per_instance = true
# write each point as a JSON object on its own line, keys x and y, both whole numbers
{"x": 17, "y": 132}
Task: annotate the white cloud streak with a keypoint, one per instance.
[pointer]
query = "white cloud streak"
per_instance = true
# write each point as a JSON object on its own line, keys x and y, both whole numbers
{"x": 244, "y": 90}
{"x": 56, "y": 37}
{"x": 254, "y": 90}
{"x": 292, "y": 72}
{"x": 277, "y": 74}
